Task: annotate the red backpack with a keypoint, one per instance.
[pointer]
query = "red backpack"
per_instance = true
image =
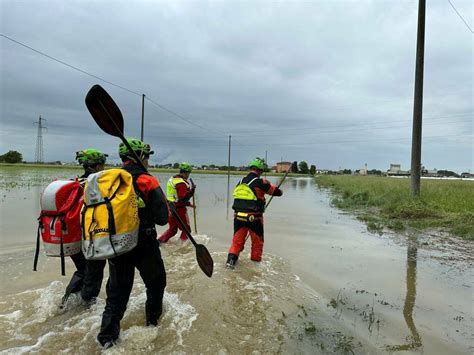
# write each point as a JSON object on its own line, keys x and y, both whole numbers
{"x": 59, "y": 221}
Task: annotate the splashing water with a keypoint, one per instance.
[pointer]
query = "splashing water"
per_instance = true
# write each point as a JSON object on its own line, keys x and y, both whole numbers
{"x": 258, "y": 307}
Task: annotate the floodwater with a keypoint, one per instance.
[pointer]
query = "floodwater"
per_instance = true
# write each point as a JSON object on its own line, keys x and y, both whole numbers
{"x": 325, "y": 284}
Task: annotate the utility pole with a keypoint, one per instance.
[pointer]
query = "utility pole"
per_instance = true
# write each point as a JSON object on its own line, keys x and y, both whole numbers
{"x": 39, "y": 141}
{"x": 418, "y": 102}
{"x": 228, "y": 176}
{"x": 266, "y": 164}
{"x": 143, "y": 116}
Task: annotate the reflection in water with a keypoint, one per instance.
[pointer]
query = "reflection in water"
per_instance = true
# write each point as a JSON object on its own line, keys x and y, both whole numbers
{"x": 294, "y": 184}
{"x": 299, "y": 183}
{"x": 303, "y": 183}
{"x": 414, "y": 340}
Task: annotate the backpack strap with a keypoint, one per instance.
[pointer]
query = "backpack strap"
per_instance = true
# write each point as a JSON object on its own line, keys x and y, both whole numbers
{"x": 112, "y": 228}
{"x": 35, "y": 262}
{"x": 63, "y": 265}
{"x": 83, "y": 214}
{"x": 248, "y": 184}
{"x": 91, "y": 240}
{"x": 136, "y": 171}
{"x": 61, "y": 247}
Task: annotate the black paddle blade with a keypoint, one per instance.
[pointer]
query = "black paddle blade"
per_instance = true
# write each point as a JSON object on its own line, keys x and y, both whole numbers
{"x": 105, "y": 111}
{"x": 204, "y": 259}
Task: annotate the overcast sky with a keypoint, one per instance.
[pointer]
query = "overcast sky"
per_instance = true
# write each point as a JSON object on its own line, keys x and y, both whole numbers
{"x": 330, "y": 82}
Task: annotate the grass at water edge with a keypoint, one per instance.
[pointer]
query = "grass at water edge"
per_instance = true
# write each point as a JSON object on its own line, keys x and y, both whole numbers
{"x": 383, "y": 202}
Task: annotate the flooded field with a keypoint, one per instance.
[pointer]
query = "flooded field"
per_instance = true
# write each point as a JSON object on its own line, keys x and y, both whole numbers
{"x": 325, "y": 284}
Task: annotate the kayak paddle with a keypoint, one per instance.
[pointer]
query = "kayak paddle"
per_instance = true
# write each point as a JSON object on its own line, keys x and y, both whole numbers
{"x": 108, "y": 117}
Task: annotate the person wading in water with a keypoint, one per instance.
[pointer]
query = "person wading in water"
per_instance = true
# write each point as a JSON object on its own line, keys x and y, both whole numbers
{"x": 146, "y": 256}
{"x": 249, "y": 206}
{"x": 89, "y": 274}
{"x": 179, "y": 191}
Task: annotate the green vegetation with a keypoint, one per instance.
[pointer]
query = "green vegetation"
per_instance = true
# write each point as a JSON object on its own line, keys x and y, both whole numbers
{"x": 446, "y": 205}
{"x": 11, "y": 157}
{"x": 303, "y": 167}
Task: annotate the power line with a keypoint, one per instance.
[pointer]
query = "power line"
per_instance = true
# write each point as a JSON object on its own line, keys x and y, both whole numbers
{"x": 169, "y": 110}
{"x": 321, "y": 130}
{"x": 181, "y": 117}
{"x": 278, "y": 144}
{"x": 460, "y": 16}
{"x": 69, "y": 65}
{"x": 106, "y": 81}
{"x": 339, "y": 130}
{"x": 354, "y": 141}
{"x": 243, "y": 133}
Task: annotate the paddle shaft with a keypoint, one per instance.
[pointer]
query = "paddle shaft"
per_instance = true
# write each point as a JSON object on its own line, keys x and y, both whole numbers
{"x": 281, "y": 182}
{"x": 194, "y": 209}
{"x": 171, "y": 206}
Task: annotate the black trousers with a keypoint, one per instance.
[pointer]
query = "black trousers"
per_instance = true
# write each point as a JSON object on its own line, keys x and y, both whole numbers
{"x": 87, "y": 278}
{"x": 77, "y": 279}
{"x": 146, "y": 257}
{"x": 92, "y": 279}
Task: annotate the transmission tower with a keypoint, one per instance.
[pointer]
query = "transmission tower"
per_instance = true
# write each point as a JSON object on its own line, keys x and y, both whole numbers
{"x": 39, "y": 140}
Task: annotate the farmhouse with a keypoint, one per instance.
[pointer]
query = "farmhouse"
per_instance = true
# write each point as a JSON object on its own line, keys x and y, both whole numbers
{"x": 283, "y": 166}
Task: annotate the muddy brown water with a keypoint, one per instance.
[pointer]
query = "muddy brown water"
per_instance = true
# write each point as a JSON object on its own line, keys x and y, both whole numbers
{"x": 325, "y": 284}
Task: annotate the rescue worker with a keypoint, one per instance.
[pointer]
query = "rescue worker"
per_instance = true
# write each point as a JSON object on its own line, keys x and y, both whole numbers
{"x": 249, "y": 206}
{"x": 89, "y": 274}
{"x": 179, "y": 191}
{"x": 146, "y": 256}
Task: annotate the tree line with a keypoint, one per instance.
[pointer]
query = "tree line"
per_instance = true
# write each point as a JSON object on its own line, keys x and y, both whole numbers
{"x": 302, "y": 168}
{"x": 12, "y": 157}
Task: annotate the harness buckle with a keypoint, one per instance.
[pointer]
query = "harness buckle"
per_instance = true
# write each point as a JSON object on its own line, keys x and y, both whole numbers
{"x": 244, "y": 217}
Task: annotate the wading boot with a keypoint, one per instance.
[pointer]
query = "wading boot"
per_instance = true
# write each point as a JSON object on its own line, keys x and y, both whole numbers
{"x": 231, "y": 261}
{"x": 108, "y": 345}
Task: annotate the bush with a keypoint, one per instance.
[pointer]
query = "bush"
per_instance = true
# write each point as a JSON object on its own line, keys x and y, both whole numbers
{"x": 12, "y": 157}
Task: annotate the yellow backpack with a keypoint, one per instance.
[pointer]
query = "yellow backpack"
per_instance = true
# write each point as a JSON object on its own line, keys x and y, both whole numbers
{"x": 109, "y": 217}
{"x": 243, "y": 191}
{"x": 245, "y": 199}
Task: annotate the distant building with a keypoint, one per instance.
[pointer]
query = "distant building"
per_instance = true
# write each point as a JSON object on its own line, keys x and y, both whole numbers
{"x": 395, "y": 170}
{"x": 363, "y": 171}
{"x": 283, "y": 166}
{"x": 430, "y": 173}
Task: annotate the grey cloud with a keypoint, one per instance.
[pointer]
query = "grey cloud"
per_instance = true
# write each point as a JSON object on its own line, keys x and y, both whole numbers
{"x": 244, "y": 69}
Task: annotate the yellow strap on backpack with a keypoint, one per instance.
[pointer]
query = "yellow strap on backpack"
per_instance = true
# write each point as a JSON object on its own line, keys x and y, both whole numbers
{"x": 109, "y": 217}
{"x": 243, "y": 191}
